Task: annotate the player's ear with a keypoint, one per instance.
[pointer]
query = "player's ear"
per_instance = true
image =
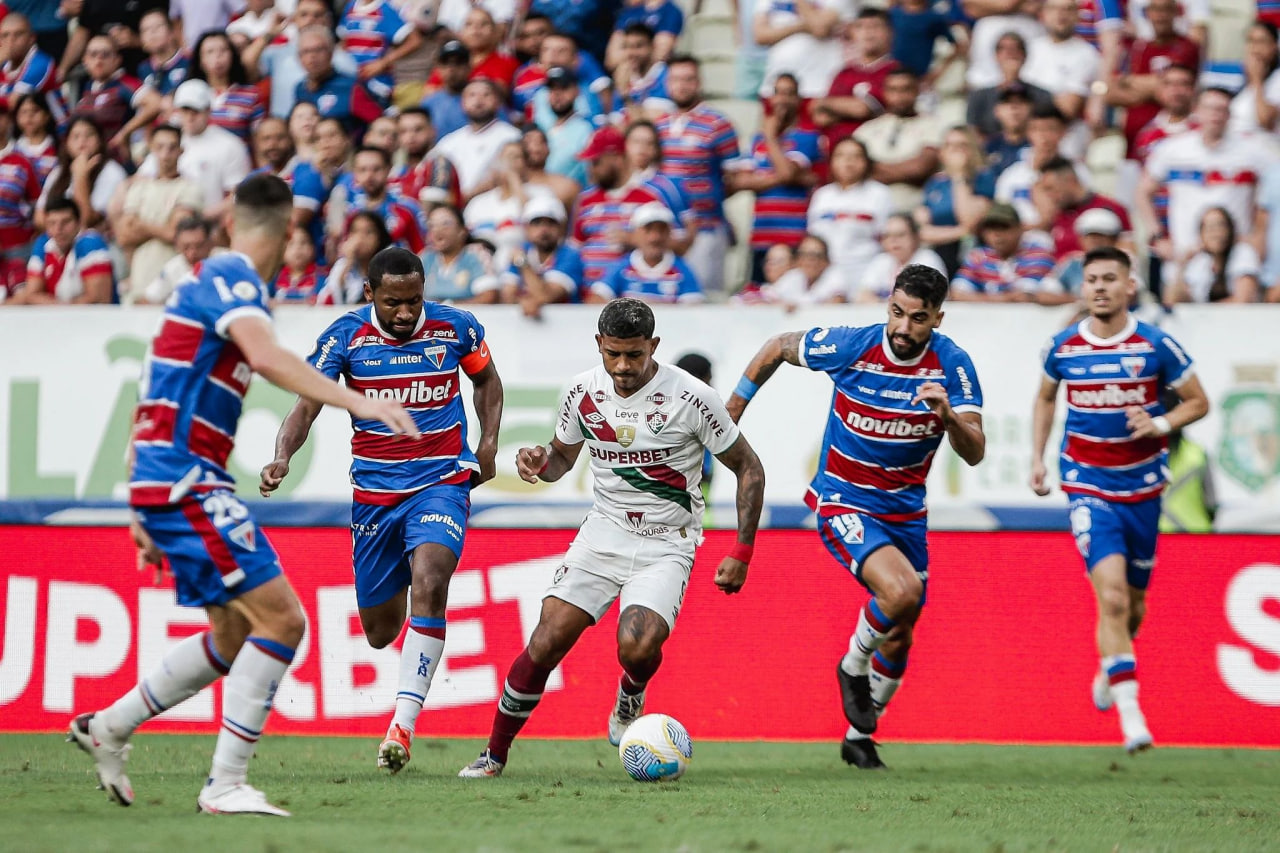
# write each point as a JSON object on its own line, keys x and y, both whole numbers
{"x": 368, "y": 291}
{"x": 938, "y": 320}
{"x": 600, "y": 344}
{"x": 229, "y": 221}
{"x": 653, "y": 345}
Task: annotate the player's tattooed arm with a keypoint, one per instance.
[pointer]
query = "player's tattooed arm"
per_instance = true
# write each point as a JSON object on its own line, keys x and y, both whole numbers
{"x": 777, "y": 350}
{"x": 292, "y": 435}
{"x": 546, "y": 463}
{"x": 741, "y": 459}
{"x": 488, "y": 403}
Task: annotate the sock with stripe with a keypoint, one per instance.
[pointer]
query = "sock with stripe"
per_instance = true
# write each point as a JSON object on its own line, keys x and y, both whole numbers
{"x": 886, "y": 677}
{"x": 635, "y": 678}
{"x": 873, "y": 627}
{"x": 1122, "y": 675}
{"x": 185, "y": 670}
{"x": 247, "y": 694}
{"x": 419, "y": 657}
{"x": 520, "y": 695}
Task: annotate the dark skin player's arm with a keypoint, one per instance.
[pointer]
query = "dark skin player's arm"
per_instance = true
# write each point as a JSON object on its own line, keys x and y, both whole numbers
{"x": 780, "y": 349}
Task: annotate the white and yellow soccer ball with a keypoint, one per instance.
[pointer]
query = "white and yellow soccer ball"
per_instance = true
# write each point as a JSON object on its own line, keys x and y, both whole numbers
{"x": 655, "y": 748}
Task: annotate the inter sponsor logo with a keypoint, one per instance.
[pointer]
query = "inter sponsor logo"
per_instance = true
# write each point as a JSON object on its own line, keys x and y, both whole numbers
{"x": 406, "y": 359}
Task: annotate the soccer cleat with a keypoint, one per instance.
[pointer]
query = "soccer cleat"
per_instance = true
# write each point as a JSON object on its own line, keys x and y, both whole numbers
{"x": 237, "y": 799}
{"x": 484, "y": 767}
{"x": 1102, "y": 692}
{"x": 109, "y": 761}
{"x": 1137, "y": 737}
{"x": 625, "y": 712}
{"x": 861, "y": 753}
{"x": 393, "y": 752}
{"x": 855, "y": 695}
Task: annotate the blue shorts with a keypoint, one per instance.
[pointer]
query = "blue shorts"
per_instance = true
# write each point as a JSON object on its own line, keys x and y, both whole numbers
{"x": 852, "y": 537}
{"x": 1103, "y": 528}
{"x": 216, "y": 550}
{"x": 383, "y": 538}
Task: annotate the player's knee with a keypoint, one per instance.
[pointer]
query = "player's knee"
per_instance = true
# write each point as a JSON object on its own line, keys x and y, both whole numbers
{"x": 638, "y": 652}
{"x": 291, "y": 624}
{"x": 546, "y": 647}
{"x": 379, "y": 635}
{"x": 1113, "y": 602}
{"x": 901, "y": 595}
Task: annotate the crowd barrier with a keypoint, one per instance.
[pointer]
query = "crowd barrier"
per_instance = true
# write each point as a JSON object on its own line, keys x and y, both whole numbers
{"x": 1004, "y": 651}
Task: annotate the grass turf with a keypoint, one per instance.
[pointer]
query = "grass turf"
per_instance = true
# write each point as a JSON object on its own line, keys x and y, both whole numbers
{"x": 573, "y": 795}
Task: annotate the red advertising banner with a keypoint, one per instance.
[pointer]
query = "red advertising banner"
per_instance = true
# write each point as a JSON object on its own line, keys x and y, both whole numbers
{"x": 1004, "y": 651}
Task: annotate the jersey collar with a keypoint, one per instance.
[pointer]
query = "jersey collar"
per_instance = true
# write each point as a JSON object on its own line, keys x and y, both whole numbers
{"x": 662, "y": 267}
{"x": 1130, "y": 326}
{"x": 373, "y": 320}
{"x": 893, "y": 359}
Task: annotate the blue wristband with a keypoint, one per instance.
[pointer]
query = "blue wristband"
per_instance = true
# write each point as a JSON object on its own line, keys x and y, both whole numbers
{"x": 746, "y": 389}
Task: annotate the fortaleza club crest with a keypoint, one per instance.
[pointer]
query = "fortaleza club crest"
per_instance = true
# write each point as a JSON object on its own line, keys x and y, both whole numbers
{"x": 1249, "y": 451}
{"x": 655, "y": 421}
{"x": 626, "y": 435}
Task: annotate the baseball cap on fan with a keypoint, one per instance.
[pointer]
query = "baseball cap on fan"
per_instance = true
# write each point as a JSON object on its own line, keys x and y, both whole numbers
{"x": 454, "y": 51}
{"x": 1098, "y": 220}
{"x": 652, "y": 213}
{"x": 543, "y": 207}
{"x": 193, "y": 95}
{"x": 606, "y": 140}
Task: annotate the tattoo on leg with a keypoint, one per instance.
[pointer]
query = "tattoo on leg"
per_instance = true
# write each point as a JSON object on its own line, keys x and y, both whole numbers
{"x": 637, "y": 623}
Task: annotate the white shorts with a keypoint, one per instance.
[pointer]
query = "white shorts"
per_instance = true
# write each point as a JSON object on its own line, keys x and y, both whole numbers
{"x": 606, "y": 562}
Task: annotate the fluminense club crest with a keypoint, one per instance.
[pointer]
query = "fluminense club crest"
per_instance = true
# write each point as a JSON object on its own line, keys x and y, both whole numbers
{"x": 1249, "y": 450}
{"x": 656, "y": 421}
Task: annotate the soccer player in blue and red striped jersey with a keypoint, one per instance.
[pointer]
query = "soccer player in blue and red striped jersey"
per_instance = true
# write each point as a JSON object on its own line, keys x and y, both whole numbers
{"x": 1113, "y": 460}
{"x": 900, "y": 387}
{"x": 412, "y": 498}
{"x": 215, "y": 334}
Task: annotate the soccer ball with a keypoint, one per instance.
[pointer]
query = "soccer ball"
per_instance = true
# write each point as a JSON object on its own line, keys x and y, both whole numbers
{"x": 655, "y": 748}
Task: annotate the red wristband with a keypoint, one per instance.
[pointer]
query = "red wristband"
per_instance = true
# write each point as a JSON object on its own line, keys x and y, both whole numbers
{"x": 548, "y": 462}
{"x": 742, "y": 552}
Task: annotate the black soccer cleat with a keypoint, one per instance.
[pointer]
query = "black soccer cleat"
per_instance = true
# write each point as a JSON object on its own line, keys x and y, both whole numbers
{"x": 855, "y": 695}
{"x": 861, "y": 753}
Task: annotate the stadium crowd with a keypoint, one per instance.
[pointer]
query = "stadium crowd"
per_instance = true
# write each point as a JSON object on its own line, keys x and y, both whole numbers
{"x": 546, "y": 152}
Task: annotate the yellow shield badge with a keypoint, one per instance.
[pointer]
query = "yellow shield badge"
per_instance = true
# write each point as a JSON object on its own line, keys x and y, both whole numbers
{"x": 626, "y": 435}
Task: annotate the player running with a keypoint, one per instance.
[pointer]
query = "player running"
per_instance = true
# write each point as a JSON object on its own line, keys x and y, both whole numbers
{"x": 899, "y": 387}
{"x": 412, "y": 498}
{"x": 645, "y": 426}
{"x": 1113, "y": 461}
{"x": 216, "y": 332}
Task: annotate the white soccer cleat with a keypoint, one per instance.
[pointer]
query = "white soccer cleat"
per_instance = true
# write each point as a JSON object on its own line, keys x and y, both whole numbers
{"x": 1102, "y": 692}
{"x": 393, "y": 752}
{"x": 1137, "y": 737}
{"x": 484, "y": 767}
{"x": 626, "y": 711}
{"x": 237, "y": 799}
{"x": 108, "y": 760}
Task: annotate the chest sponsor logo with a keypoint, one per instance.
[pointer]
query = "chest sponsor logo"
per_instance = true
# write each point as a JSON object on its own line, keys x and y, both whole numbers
{"x": 626, "y": 435}
{"x": 657, "y": 398}
{"x": 624, "y": 415}
{"x": 600, "y": 396}
{"x": 418, "y": 392}
{"x": 656, "y": 421}
{"x": 1106, "y": 367}
{"x": 406, "y": 359}
{"x": 1109, "y": 396}
{"x": 1133, "y": 365}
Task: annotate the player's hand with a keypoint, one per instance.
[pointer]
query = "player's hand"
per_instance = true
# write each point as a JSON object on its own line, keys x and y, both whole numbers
{"x": 148, "y": 554}
{"x": 273, "y": 474}
{"x": 1039, "y": 478}
{"x": 487, "y": 456}
{"x": 934, "y": 395}
{"x": 530, "y": 462}
{"x": 731, "y": 575}
{"x": 1140, "y": 423}
{"x": 391, "y": 413}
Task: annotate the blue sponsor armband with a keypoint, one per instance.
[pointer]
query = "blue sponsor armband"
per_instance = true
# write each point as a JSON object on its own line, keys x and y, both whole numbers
{"x": 746, "y": 389}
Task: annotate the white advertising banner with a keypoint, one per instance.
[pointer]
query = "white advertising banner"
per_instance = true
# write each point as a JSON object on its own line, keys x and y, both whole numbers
{"x": 69, "y": 381}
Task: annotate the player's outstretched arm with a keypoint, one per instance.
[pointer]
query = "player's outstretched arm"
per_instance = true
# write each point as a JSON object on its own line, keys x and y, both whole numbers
{"x": 741, "y": 459}
{"x": 777, "y": 350}
{"x": 488, "y": 402}
{"x": 292, "y": 435}
{"x": 964, "y": 429}
{"x": 1041, "y": 424}
{"x": 255, "y": 338}
{"x": 546, "y": 463}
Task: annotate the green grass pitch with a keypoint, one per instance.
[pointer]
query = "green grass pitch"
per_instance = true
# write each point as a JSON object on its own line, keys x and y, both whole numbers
{"x": 574, "y": 795}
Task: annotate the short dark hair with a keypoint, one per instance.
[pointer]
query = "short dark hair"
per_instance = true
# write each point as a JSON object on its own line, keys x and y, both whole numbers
{"x": 684, "y": 59}
{"x": 626, "y": 318}
{"x": 879, "y": 14}
{"x": 639, "y": 28}
{"x": 166, "y": 128}
{"x": 908, "y": 220}
{"x": 393, "y": 261}
{"x": 645, "y": 124}
{"x": 536, "y": 16}
{"x": 1108, "y": 253}
{"x": 416, "y": 111}
{"x": 192, "y": 223}
{"x": 696, "y": 365}
{"x": 1049, "y": 111}
{"x": 374, "y": 149}
{"x": 263, "y": 192}
{"x": 1017, "y": 37}
{"x": 1059, "y": 166}
{"x": 62, "y": 203}
{"x": 1216, "y": 90}
{"x": 787, "y": 75}
{"x": 924, "y": 283}
{"x": 814, "y": 238}
{"x": 903, "y": 71}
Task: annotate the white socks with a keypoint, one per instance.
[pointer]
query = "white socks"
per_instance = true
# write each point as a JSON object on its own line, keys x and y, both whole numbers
{"x": 247, "y": 694}
{"x": 188, "y": 668}
{"x": 419, "y": 657}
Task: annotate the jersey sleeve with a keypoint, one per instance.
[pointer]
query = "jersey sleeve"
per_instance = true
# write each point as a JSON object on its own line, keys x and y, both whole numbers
{"x": 92, "y": 255}
{"x": 569, "y": 423}
{"x": 715, "y": 429}
{"x": 964, "y": 392}
{"x": 471, "y": 336}
{"x": 330, "y": 353}
{"x": 566, "y": 272}
{"x": 1049, "y": 360}
{"x": 829, "y": 349}
{"x": 220, "y": 300}
{"x": 1176, "y": 367}
{"x": 690, "y": 290}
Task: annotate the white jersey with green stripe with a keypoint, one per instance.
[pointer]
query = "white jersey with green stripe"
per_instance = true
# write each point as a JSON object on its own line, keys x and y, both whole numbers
{"x": 646, "y": 449}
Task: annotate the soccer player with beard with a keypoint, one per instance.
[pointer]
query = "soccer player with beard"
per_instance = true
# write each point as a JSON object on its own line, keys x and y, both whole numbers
{"x": 900, "y": 387}
{"x": 645, "y": 426}
{"x": 1113, "y": 461}
{"x": 412, "y": 498}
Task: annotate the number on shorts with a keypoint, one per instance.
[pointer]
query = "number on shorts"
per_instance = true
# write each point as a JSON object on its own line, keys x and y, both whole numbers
{"x": 225, "y": 509}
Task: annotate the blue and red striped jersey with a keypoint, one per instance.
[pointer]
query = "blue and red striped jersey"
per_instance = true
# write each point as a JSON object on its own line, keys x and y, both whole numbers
{"x": 43, "y": 155}
{"x": 37, "y": 73}
{"x": 194, "y": 379}
{"x": 1097, "y": 16}
{"x": 64, "y": 275}
{"x": 168, "y": 75}
{"x": 238, "y": 109}
{"x": 600, "y": 211}
{"x": 781, "y": 212}
{"x": 423, "y": 374}
{"x": 696, "y": 145}
{"x": 1104, "y": 378}
{"x": 369, "y": 28}
{"x": 19, "y": 189}
{"x": 668, "y": 281}
{"x": 878, "y": 447}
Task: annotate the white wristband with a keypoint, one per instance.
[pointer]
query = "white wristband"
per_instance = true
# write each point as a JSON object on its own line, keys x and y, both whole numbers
{"x": 1162, "y": 425}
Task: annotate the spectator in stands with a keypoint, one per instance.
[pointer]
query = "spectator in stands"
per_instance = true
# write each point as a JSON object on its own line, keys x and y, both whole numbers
{"x": 1066, "y": 66}
{"x": 777, "y": 261}
{"x": 956, "y": 198}
{"x": 587, "y": 22}
{"x": 28, "y": 70}
{"x": 482, "y": 39}
{"x": 850, "y": 212}
{"x": 533, "y": 142}
{"x": 857, "y": 91}
{"x": 995, "y": 20}
{"x": 452, "y": 14}
{"x": 698, "y": 142}
{"x": 238, "y": 106}
{"x": 193, "y": 239}
{"x": 314, "y": 180}
{"x": 335, "y": 95}
{"x": 18, "y": 189}
{"x": 1061, "y": 198}
{"x": 457, "y": 270}
{"x": 301, "y": 280}
{"x": 556, "y": 113}
{"x": 545, "y": 270}
{"x": 1011, "y": 59}
{"x": 115, "y": 101}
{"x": 260, "y": 18}
{"x": 84, "y": 174}
{"x": 153, "y": 206}
{"x": 1097, "y": 229}
{"x": 640, "y": 78}
{"x": 214, "y": 158}
{"x": 366, "y": 236}
{"x": 1192, "y": 20}
{"x": 444, "y": 105}
{"x": 1203, "y": 168}
{"x": 902, "y": 246}
{"x": 1013, "y": 114}
{"x": 1257, "y": 105}
{"x": 494, "y": 215}
{"x": 780, "y": 172}
{"x": 528, "y": 39}
{"x": 37, "y": 130}
{"x": 803, "y": 37}
{"x": 276, "y": 55}
{"x": 69, "y": 264}
{"x": 381, "y": 133}
{"x": 370, "y": 173}
{"x": 166, "y": 64}
{"x": 49, "y": 22}
{"x": 377, "y": 37}
{"x": 902, "y": 143}
{"x": 1045, "y": 132}
{"x": 425, "y": 176}
{"x": 652, "y": 272}
{"x": 811, "y": 281}
{"x": 1223, "y": 269}
{"x": 642, "y": 160}
{"x": 472, "y": 148}
{"x": 1009, "y": 266}
{"x": 195, "y": 18}
{"x": 303, "y": 119}
{"x": 116, "y": 21}
{"x": 662, "y": 18}
{"x": 559, "y": 49}
{"x": 917, "y": 29}
{"x": 273, "y": 149}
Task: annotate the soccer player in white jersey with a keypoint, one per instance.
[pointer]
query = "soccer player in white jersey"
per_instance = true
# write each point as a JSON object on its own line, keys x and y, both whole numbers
{"x": 645, "y": 426}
